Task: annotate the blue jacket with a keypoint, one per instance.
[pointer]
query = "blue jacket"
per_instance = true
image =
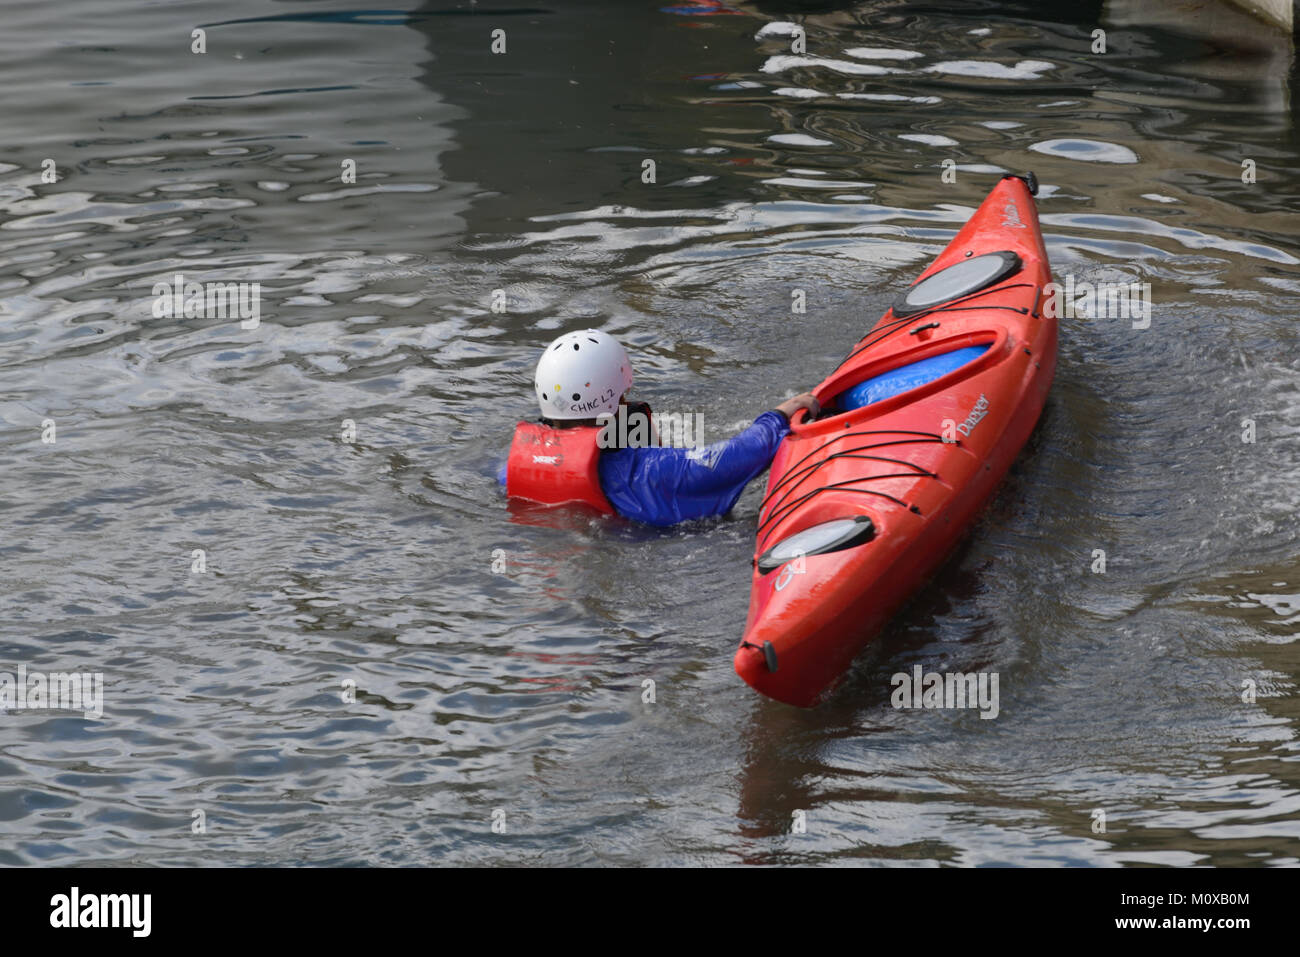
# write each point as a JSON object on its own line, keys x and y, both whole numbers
{"x": 665, "y": 486}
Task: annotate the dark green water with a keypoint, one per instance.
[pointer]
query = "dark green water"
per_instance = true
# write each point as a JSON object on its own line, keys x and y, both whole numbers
{"x": 521, "y": 692}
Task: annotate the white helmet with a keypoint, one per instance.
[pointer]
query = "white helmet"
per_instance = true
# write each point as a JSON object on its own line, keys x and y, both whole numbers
{"x": 582, "y": 375}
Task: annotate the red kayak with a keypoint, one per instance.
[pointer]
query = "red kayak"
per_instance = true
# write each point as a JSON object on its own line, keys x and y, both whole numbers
{"x": 919, "y": 424}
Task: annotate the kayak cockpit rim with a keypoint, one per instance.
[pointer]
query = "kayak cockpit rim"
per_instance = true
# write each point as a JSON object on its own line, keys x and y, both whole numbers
{"x": 996, "y": 338}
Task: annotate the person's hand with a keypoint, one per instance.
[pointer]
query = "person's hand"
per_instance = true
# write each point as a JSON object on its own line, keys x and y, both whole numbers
{"x": 805, "y": 400}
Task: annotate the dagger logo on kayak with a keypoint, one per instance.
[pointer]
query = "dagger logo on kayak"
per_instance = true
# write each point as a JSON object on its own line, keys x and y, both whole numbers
{"x": 981, "y": 409}
{"x": 1011, "y": 216}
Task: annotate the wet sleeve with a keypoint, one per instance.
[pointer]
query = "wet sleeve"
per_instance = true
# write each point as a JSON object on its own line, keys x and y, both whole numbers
{"x": 663, "y": 486}
{"x": 735, "y": 462}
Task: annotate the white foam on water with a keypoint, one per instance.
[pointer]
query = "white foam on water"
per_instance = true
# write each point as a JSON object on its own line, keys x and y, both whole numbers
{"x": 929, "y": 139}
{"x": 798, "y": 139}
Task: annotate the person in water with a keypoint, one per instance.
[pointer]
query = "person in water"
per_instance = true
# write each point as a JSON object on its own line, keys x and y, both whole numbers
{"x": 582, "y": 381}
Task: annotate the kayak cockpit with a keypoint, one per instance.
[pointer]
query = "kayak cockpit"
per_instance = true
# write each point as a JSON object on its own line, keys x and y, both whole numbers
{"x": 892, "y": 381}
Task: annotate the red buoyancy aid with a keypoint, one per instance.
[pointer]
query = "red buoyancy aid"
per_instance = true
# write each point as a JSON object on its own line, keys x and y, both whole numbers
{"x": 555, "y": 466}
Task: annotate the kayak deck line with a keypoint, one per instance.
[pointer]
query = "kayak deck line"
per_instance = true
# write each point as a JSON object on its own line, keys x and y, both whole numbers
{"x": 784, "y": 506}
{"x": 904, "y": 320}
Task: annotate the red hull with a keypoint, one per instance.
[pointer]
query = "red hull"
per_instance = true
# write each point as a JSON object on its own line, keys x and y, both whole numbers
{"x": 919, "y": 491}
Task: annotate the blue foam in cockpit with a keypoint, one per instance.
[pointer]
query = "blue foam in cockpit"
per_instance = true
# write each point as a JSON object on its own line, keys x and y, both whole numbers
{"x": 907, "y": 377}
